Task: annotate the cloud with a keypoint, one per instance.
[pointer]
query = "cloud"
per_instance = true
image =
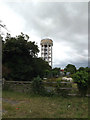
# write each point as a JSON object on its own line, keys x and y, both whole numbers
{"x": 65, "y": 23}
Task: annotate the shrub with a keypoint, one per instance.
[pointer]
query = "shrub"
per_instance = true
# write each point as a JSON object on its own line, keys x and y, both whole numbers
{"x": 37, "y": 86}
{"x": 81, "y": 78}
{"x": 62, "y": 92}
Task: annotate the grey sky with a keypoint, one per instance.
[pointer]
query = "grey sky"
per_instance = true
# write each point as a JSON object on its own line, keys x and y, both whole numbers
{"x": 65, "y": 23}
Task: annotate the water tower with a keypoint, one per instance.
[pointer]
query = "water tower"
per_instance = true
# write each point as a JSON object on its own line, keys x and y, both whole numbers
{"x": 46, "y": 50}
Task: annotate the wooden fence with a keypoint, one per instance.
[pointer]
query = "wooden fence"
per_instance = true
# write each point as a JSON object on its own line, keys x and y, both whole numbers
{"x": 26, "y": 85}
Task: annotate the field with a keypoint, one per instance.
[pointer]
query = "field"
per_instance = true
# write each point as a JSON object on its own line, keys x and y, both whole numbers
{"x": 19, "y": 105}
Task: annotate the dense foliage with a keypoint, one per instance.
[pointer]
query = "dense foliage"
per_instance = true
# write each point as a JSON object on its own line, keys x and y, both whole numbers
{"x": 60, "y": 91}
{"x": 70, "y": 68}
{"x": 81, "y": 69}
{"x": 81, "y": 78}
{"x": 37, "y": 86}
{"x": 56, "y": 72}
{"x": 19, "y": 58}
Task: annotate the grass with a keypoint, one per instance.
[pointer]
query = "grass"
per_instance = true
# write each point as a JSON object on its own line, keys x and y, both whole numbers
{"x": 35, "y": 106}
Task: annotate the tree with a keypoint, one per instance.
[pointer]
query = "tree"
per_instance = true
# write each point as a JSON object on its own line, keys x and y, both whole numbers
{"x": 70, "y": 68}
{"x": 81, "y": 69}
{"x": 1, "y": 42}
{"x": 47, "y": 73}
{"x": 81, "y": 78}
{"x": 20, "y": 58}
{"x": 56, "y": 72}
{"x": 40, "y": 67}
{"x": 17, "y": 56}
{"x": 5, "y": 71}
{"x": 88, "y": 70}
{"x": 4, "y": 27}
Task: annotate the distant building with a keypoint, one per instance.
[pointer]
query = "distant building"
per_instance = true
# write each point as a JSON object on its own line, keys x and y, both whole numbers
{"x": 46, "y": 50}
{"x": 62, "y": 72}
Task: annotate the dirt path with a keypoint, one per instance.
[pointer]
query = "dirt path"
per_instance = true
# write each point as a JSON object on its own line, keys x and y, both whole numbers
{"x": 13, "y": 102}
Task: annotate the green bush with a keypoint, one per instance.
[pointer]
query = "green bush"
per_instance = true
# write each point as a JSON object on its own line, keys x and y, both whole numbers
{"x": 60, "y": 91}
{"x": 81, "y": 78}
{"x": 37, "y": 86}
